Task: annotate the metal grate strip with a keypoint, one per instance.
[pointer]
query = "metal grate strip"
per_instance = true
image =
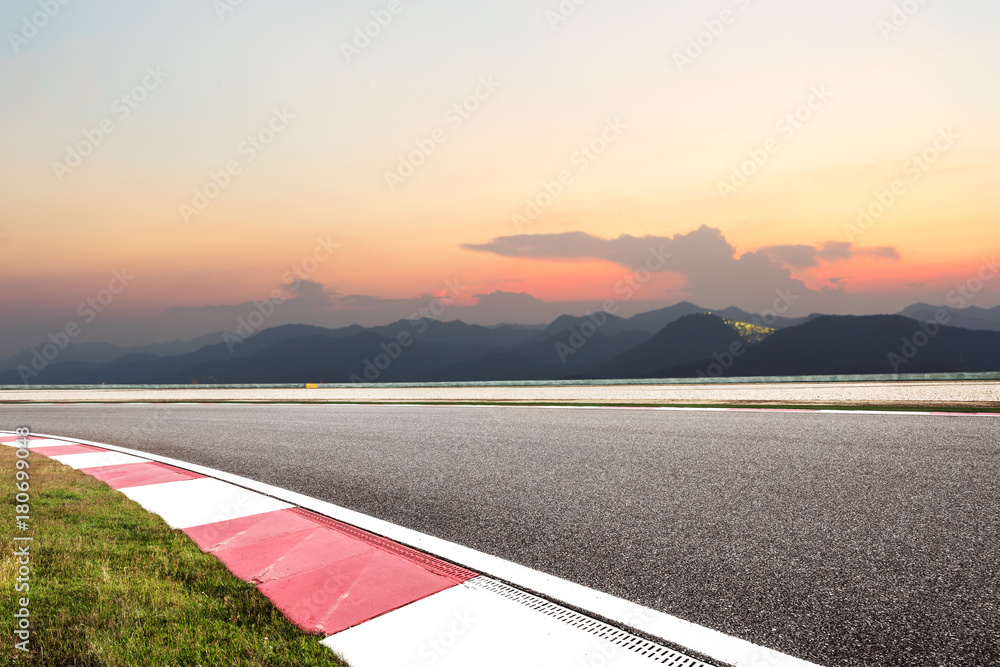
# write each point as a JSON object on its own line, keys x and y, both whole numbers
{"x": 655, "y": 652}
{"x": 426, "y": 561}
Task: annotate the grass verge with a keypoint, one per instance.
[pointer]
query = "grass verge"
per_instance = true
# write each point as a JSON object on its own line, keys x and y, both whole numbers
{"x": 111, "y": 585}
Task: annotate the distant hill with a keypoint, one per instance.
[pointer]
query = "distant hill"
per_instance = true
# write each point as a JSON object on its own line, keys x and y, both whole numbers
{"x": 689, "y": 339}
{"x": 85, "y": 352}
{"x": 459, "y": 333}
{"x": 650, "y": 322}
{"x": 106, "y": 352}
{"x": 497, "y": 366}
{"x": 364, "y": 356}
{"x": 654, "y": 320}
{"x": 568, "y": 354}
{"x": 575, "y": 348}
{"x": 772, "y": 321}
{"x": 836, "y": 345}
{"x": 692, "y": 343}
{"x": 980, "y": 319}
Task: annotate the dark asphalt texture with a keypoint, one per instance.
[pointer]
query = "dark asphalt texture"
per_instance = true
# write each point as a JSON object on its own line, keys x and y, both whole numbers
{"x": 842, "y": 539}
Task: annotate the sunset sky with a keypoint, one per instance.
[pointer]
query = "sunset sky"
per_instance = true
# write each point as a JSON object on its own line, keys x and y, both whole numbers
{"x": 741, "y": 162}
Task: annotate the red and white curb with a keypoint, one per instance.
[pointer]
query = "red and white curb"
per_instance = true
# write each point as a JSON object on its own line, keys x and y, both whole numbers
{"x": 376, "y": 592}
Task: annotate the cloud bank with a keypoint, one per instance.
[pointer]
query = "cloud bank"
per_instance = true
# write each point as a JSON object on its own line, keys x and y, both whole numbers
{"x": 715, "y": 273}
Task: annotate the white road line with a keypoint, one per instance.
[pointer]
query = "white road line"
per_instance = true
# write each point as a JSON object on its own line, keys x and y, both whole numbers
{"x": 618, "y": 611}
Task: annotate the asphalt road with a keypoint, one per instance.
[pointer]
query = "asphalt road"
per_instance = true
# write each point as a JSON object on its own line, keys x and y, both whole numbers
{"x": 845, "y": 539}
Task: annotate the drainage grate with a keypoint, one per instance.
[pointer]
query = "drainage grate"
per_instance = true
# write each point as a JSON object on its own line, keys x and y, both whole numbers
{"x": 612, "y": 635}
{"x": 426, "y": 561}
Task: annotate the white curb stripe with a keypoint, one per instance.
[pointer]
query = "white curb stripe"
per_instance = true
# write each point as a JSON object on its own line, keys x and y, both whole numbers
{"x": 195, "y": 502}
{"x": 42, "y": 443}
{"x": 621, "y": 612}
{"x": 97, "y": 459}
{"x": 469, "y": 625}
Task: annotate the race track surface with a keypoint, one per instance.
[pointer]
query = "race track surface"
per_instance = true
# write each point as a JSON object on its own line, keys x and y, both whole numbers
{"x": 845, "y": 539}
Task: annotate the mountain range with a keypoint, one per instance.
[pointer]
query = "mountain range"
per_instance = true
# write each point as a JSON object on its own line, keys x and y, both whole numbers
{"x": 681, "y": 341}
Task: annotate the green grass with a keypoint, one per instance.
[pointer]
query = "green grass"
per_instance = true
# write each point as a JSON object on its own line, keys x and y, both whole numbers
{"x": 112, "y": 585}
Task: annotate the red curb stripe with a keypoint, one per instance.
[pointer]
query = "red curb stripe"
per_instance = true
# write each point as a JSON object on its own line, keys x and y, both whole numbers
{"x": 247, "y": 530}
{"x": 290, "y": 555}
{"x": 324, "y": 575}
{"x": 436, "y": 565}
{"x": 64, "y": 450}
{"x": 127, "y": 475}
{"x": 349, "y": 592}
